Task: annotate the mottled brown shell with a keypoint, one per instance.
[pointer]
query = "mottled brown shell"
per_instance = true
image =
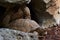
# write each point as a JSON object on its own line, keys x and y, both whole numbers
{"x": 25, "y": 25}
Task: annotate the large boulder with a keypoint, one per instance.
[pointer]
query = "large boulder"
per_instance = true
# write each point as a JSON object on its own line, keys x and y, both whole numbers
{"x": 9, "y": 34}
{"x": 14, "y": 10}
{"x": 53, "y": 8}
{"x": 15, "y": 1}
{"x": 53, "y": 33}
{"x": 40, "y": 15}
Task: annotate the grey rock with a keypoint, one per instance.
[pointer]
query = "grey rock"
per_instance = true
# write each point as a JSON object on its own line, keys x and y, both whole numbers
{"x": 46, "y": 1}
{"x": 16, "y": 1}
{"x": 1, "y": 38}
{"x": 9, "y": 34}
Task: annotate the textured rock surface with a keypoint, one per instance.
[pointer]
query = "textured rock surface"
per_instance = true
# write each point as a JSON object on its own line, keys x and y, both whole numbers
{"x": 46, "y": 1}
{"x": 53, "y": 33}
{"x": 14, "y": 11}
{"x": 9, "y": 34}
{"x": 15, "y": 1}
{"x": 53, "y": 7}
{"x": 41, "y": 16}
{"x": 19, "y": 12}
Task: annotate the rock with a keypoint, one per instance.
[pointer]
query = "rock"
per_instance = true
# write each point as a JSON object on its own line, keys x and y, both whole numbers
{"x": 19, "y": 12}
{"x": 54, "y": 10}
{"x": 46, "y": 1}
{"x": 43, "y": 18}
{"x": 1, "y": 38}
{"x": 13, "y": 12}
{"x": 53, "y": 33}
{"x": 16, "y": 1}
{"x": 9, "y": 34}
{"x": 22, "y": 13}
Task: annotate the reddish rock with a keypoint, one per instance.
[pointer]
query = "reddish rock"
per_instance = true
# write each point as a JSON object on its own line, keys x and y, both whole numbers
{"x": 14, "y": 12}
{"x": 53, "y": 8}
{"x": 53, "y": 34}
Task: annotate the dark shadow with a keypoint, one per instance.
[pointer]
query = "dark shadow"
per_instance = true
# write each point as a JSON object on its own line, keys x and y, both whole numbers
{"x": 2, "y": 11}
{"x": 41, "y": 15}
